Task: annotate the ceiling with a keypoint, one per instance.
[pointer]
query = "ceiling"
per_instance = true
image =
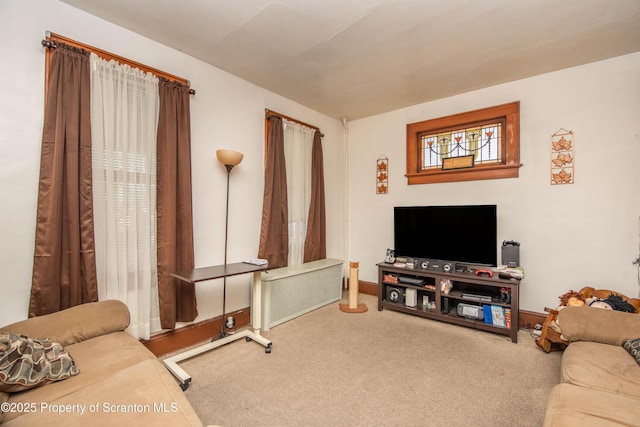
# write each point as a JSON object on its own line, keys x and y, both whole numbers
{"x": 356, "y": 58}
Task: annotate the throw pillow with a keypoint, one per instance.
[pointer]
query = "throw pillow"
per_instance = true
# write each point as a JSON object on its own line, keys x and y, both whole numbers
{"x": 633, "y": 347}
{"x": 27, "y": 363}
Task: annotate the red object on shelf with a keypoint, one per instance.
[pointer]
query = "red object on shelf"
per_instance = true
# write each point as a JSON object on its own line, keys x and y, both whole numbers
{"x": 484, "y": 272}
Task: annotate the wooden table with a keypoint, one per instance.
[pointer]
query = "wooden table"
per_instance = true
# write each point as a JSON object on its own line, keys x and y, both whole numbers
{"x": 216, "y": 272}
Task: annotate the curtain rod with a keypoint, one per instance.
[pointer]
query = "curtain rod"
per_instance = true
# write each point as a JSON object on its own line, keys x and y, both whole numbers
{"x": 268, "y": 113}
{"x": 52, "y": 38}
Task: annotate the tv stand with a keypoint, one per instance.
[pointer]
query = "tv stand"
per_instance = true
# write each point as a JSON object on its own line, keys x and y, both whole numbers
{"x": 466, "y": 288}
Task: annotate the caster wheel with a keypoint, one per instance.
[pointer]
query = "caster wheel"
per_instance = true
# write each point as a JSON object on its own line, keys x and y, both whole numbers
{"x": 184, "y": 386}
{"x": 248, "y": 339}
{"x": 267, "y": 350}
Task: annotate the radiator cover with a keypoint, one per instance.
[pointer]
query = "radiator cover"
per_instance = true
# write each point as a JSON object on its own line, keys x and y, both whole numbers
{"x": 290, "y": 292}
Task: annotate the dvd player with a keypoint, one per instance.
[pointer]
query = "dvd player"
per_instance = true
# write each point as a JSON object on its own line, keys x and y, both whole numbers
{"x": 416, "y": 281}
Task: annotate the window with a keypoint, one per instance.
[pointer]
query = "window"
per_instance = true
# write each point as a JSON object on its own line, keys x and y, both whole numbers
{"x": 489, "y": 138}
{"x": 131, "y": 217}
{"x": 125, "y": 106}
{"x": 298, "y": 142}
{"x": 293, "y": 156}
{"x": 482, "y": 143}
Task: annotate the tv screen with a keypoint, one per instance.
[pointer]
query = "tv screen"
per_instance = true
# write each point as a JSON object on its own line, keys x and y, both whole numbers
{"x": 465, "y": 234}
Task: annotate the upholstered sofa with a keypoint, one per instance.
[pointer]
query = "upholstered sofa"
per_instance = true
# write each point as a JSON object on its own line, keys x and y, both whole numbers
{"x": 119, "y": 382}
{"x": 600, "y": 379}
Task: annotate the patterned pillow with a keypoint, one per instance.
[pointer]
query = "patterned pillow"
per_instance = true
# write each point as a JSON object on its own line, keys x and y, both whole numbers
{"x": 27, "y": 363}
{"x": 633, "y": 347}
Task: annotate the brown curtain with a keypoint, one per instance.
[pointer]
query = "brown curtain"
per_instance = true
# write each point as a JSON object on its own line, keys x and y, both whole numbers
{"x": 175, "y": 220}
{"x": 274, "y": 232}
{"x": 64, "y": 268}
{"x": 315, "y": 244}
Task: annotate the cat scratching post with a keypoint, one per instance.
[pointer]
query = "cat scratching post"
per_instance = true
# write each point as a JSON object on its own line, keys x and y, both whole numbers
{"x": 353, "y": 306}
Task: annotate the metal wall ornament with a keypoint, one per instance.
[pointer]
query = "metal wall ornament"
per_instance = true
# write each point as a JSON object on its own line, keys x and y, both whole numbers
{"x": 562, "y": 157}
{"x": 382, "y": 175}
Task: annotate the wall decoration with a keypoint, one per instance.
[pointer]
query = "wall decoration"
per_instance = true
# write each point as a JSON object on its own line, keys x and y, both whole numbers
{"x": 562, "y": 157}
{"x": 382, "y": 175}
{"x": 460, "y": 162}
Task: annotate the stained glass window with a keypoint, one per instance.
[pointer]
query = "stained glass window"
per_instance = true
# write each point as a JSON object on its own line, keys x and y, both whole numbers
{"x": 482, "y": 142}
{"x": 478, "y": 144}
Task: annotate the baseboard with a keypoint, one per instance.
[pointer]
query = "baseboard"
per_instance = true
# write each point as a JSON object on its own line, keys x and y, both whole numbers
{"x": 368, "y": 288}
{"x": 529, "y": 319}
{"x": 177, "y": 339}
{"x": 171, "y": 341}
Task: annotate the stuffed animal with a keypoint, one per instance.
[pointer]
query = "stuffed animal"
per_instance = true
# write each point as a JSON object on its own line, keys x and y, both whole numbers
{"x": 613, "y": 302}
{"x": 600, "y": 303}
{"x": 593, "y": 298}
{"x": 571, "y": 299}
{"x": 568, "y": 299}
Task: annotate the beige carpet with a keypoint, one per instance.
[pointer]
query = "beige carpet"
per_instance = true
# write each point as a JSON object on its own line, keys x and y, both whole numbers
{"x": 379, "y": 368}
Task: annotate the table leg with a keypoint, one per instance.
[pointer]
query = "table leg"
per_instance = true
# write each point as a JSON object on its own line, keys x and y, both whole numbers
{"x": 256, "y": 306}
{"x": 256, "y": 309}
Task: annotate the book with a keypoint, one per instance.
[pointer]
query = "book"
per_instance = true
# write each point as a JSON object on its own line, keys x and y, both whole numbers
{"x": 256, "y": 261}
{"x": 507, "y": 317}
{"x": 488, "y": 318}
{"x": 497, "y": 315}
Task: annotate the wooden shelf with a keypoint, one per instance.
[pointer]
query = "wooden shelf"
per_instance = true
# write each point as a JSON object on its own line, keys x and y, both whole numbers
{"x": 462, "y": 282}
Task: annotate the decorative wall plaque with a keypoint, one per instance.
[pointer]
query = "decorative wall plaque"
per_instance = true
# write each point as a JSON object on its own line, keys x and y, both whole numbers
{"x": 562, "y": 157}
{"x": 460, "y": 162}
{"x": 382, "y": 175}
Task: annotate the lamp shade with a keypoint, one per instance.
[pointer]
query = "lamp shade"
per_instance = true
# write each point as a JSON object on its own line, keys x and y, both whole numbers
{"x": 229, "y": 157}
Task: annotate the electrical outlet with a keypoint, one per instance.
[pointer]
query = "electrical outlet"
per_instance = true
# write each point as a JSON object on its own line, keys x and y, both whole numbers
{"x": 230, "y": 322}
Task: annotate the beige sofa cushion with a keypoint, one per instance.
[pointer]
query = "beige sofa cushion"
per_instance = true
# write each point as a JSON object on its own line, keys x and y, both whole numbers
{"x": 602, "y": 367}
{"x": 570, "y": 406}
{"x": 599, "y": 325}
{"x": 144, "y": 394}
{"x": 75, "y": 324}
{"x": 97, "y": 359}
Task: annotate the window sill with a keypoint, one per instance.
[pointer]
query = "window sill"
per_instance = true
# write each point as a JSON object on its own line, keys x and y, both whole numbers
{"x": 476, "y": 173}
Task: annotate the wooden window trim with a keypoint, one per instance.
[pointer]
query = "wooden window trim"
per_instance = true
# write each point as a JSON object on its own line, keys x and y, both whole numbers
{"x": 508, "y": 167}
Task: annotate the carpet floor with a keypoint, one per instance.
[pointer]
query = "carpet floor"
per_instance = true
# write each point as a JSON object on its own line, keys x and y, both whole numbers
{"x": 379, "y": 368}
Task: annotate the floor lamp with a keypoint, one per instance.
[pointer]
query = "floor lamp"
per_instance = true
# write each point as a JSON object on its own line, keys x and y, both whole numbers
{"x": 229, "y": 159}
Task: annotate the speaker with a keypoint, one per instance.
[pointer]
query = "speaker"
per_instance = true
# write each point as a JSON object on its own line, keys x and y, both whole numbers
{"x": 395, "y": 295}
{"x": 511, "y": 253}
{"x": 439, "y": 265}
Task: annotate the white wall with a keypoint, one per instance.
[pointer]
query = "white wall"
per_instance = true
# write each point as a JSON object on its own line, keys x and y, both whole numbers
{"x": 571, "y": 235}
{"x": 226, "y": 112}
{"x": 574, "y": 235}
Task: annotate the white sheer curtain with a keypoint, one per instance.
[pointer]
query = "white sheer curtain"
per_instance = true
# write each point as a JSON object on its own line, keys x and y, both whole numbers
{"x": 124, "y": 122}
{"x": 298, "y": 144}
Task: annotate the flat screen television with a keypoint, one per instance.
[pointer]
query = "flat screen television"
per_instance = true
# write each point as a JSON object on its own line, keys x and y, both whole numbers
{"x": 465, "y": 234}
